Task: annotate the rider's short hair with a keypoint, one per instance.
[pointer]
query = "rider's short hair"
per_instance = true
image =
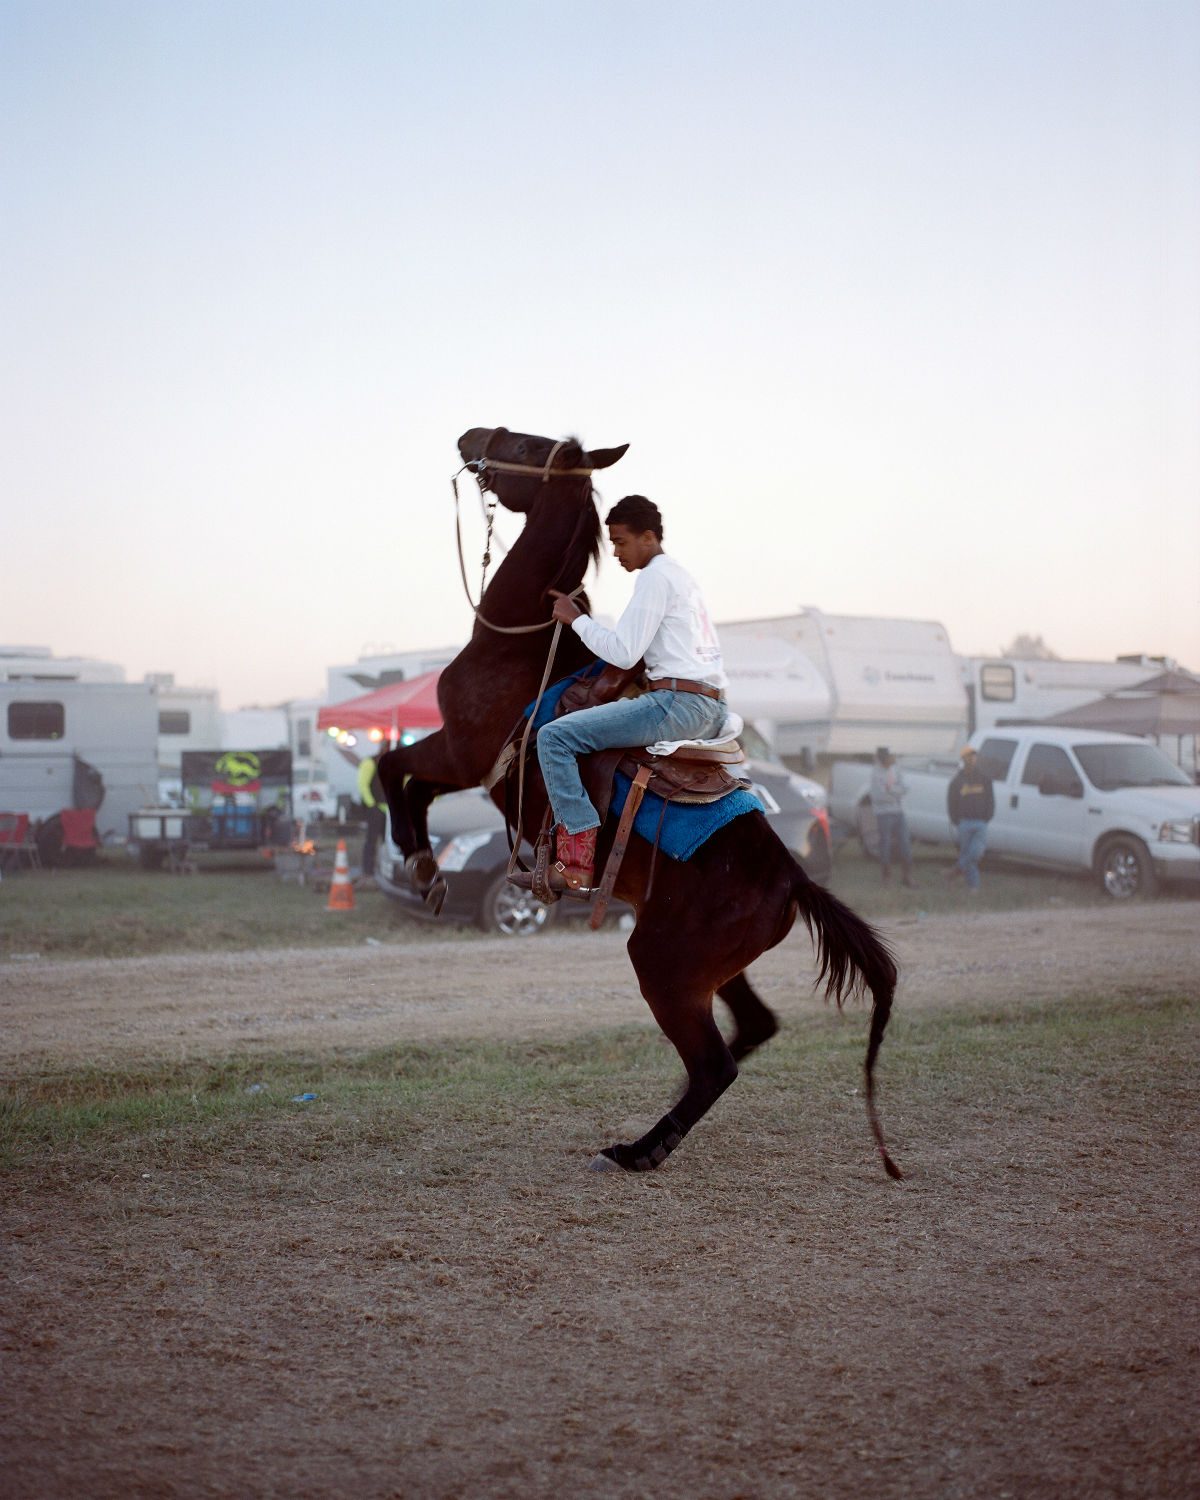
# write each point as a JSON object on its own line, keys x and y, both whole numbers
{"x": 637, "y": 514}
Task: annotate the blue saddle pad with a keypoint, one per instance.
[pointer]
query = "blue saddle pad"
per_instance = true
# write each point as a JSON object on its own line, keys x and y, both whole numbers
{"x": 686, "y": 826}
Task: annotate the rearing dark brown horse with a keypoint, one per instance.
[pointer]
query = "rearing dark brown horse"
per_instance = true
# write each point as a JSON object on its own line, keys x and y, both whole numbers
{"x": 701, "y": 922}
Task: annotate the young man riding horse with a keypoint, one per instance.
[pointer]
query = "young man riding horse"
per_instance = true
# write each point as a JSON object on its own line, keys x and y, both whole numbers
{"x": 702, "y": 921}
{"x": 665, "y": 623}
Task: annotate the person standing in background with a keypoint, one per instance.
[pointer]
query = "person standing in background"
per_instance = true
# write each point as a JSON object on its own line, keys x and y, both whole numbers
{"x": 886, "y": 792}
{"x": 371, "y": 795}
{"x": 971, "y": 804}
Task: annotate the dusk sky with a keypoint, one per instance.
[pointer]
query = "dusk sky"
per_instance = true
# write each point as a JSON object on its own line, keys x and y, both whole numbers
{"x": 896, "y": 303}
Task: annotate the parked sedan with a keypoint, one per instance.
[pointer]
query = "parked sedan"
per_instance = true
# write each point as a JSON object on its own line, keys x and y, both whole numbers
{"x": 466, "y": 832}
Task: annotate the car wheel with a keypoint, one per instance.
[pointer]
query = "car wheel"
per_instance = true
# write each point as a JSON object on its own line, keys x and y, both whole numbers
{"x": 510, "y": 911}
{"x": 1124, "y": 869}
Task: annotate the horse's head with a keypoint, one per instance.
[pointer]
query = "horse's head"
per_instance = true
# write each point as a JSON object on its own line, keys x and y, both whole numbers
{"x": 516, "y": 466}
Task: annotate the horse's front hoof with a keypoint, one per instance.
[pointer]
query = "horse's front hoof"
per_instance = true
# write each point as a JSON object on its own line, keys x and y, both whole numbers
{"x": 435, "y": 895}
{"x": 605, "y": 1162}
{"x": 421, "y": 869}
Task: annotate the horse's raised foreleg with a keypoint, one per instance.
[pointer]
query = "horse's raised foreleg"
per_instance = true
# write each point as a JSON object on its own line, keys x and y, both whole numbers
{"x": 687, "y": 1022}
{"x": 410, "y": 784}
{"x": 754, "y": 1023}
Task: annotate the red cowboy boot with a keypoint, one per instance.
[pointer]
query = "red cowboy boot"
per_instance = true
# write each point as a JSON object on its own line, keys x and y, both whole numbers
{"x": 575, "y": 869}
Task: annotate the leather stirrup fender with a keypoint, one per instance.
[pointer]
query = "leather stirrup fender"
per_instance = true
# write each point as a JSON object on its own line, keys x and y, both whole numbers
{"x": 620, "y": 843}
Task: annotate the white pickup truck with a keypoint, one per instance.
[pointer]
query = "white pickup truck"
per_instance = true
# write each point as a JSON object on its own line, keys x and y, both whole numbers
{"x": 1078, "y": 799}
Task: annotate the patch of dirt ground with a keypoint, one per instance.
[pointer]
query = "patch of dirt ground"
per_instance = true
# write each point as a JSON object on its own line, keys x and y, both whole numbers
{"x": 469, "y": 1313}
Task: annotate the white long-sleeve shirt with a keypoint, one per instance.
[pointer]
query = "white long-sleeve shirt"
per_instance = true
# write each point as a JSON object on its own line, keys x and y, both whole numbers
{"x": 666, "y": 622}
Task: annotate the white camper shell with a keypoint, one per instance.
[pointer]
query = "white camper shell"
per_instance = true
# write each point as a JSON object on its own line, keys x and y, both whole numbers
{"x": 819, "y": 686}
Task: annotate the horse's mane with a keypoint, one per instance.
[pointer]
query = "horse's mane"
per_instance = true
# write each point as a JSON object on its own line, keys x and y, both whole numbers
{"x": 594, "y": 533}
{"x": 586, "y": 543}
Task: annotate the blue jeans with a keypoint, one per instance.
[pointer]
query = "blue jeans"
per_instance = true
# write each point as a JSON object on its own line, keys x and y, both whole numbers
{"x": 972, "y": 841}
{"x": 657, "y": 716}
{"x": 893, "y": 834}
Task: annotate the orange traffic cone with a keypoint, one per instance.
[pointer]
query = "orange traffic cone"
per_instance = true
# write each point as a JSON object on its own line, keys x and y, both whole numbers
{"x": 341, "y": 889}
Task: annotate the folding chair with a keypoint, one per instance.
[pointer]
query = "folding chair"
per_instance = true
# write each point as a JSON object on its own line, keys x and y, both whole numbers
{"x": 79, "y": 828}
{"x": 16, "y": 843}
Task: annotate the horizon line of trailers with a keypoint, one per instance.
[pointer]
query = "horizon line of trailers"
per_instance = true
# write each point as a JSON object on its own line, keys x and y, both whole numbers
{"x": 824, "y": 687}
{"x": 817, "y": 687}
{"x": 820, "y": 688}
{"x": 76, "y": 738}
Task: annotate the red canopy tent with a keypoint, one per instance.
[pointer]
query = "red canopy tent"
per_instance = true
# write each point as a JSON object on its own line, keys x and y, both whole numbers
{"x": 400, "y": 705}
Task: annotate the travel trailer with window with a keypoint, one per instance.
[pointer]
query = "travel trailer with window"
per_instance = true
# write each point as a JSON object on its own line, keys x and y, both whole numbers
{"x": 188, "y": 719}
{"x": 820, "y": 686}
{"x": 69, "y": 744}
{"x": 1005, "y": 690}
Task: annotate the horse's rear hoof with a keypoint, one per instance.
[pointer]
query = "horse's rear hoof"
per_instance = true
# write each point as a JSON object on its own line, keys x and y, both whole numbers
{"x": 435, "y": 895}
{"x": 605, "y": 1162}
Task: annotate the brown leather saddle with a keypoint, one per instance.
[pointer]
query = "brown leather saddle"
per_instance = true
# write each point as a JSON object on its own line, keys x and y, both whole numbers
{"x": 693, "y": 773}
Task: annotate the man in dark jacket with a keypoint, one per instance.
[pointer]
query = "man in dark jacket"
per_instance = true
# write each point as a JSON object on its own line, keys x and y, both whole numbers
{"x": 970, "y": 803}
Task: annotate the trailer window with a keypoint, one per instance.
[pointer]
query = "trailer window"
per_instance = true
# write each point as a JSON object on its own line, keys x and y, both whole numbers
{"x": 36, "y": 721}
{"x": 997, "y": 683}
{"x": 174, "y": 721}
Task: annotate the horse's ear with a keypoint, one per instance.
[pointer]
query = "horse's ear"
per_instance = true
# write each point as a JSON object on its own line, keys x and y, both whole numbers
{"x": 604, "y": 458}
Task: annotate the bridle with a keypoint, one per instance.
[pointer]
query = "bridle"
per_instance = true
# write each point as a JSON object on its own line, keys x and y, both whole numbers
{"x": 482, "y": 468}
{"x": 483, "y": 465}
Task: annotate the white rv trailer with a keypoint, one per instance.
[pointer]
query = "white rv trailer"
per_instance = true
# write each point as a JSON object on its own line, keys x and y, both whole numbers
{"x": 48, "y": 727}
{"x": 1004, "y": 690}
{"x": 38, "y": 664}
{"x": 819, "y": 686}
{"x": 189, "y": 718}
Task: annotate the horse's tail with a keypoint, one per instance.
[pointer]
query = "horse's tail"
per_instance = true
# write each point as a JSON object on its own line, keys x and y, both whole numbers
{"x": 853, "y": 959}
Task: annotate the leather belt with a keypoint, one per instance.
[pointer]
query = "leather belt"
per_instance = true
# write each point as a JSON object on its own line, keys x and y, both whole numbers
{"x": 685, "y": 685}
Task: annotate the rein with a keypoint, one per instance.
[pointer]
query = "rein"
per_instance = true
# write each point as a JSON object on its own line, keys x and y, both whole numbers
{"x": 480, "y": 467}
{"x": 490, "y": 515}
{"x": 515, "y": 844}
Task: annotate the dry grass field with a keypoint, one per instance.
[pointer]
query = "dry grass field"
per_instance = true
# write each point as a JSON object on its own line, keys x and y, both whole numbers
{"x": 410, "y": 1285}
